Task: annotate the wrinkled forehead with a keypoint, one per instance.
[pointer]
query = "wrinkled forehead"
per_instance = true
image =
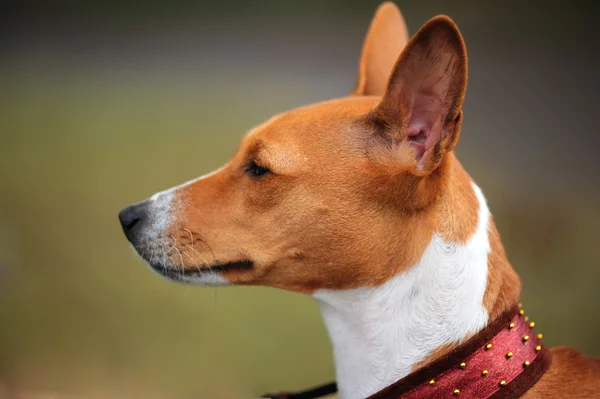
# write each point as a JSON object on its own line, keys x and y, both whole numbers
{"x": 312, "y": 128}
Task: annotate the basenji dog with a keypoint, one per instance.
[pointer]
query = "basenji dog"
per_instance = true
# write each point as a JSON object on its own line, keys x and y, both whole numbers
{"x": 361, "y": 203}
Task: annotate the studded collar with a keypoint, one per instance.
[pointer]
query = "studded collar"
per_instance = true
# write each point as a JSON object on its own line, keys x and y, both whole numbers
{"x": 503, "y": 361}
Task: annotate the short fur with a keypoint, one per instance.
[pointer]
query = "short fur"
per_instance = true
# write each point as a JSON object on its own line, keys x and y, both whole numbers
{"x": 361, "y": 202}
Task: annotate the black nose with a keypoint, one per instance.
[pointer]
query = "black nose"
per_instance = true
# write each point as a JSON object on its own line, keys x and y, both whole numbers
{"x": 132, "y": 218}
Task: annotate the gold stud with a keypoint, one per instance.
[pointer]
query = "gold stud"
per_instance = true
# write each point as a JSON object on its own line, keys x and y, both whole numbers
{"x": 521, "y": 312}
{"x": 484, "y": 373}
{"x": 488, "y": 346}
{"x": 511, "y": 326}
{"x": 526, "y": 338}
{"x": 526, "y": 318}
{"x": 456, "y": 392}
{"x": 532, "y": 324}
{"x": 526, "y": 363}
{"x": 509, "y": 355}
{"x": 540, "y": 336}
{"x": 432, "y": 382}
{"x": 538, "y": 348}
{"x": 503, "y": 383}
{"x": 462, "y": 365}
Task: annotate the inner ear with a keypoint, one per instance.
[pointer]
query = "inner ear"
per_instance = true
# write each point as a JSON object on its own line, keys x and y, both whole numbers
{"x": 423, "y": 130}
{"x": 386, "y": 37}
{"x": 423, "y": 100}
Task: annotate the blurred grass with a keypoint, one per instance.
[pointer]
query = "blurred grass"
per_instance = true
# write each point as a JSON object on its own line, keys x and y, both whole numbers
{"x": 79, "y": 312}
{"x": 82, "y": 315}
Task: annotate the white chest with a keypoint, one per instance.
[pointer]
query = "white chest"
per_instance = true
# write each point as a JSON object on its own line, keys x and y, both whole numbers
{"x": 379, "y": 334}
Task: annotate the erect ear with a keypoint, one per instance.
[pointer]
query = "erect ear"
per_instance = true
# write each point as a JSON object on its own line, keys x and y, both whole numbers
{"x": 385, "y": 39}
{"x": 424, "y": 96}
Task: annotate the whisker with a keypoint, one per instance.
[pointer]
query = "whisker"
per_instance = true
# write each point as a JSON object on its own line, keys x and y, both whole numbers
{"x": 194, "y": 250}
{"x": 180, "y": 257}
{"x": 191, "y": 235}
{"x": 202, "y": 240}
{"x": 215, "y": 298}
{"x": 174, "y": 244}
{"x": 195, "y": 263}
{"x": 204, "y": 261}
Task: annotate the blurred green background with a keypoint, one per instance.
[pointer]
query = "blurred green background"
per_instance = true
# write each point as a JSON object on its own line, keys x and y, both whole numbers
{"x": 104, "y": 103}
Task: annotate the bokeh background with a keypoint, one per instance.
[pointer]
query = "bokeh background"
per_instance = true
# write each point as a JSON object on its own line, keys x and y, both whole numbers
{"x": 103, "y": 103}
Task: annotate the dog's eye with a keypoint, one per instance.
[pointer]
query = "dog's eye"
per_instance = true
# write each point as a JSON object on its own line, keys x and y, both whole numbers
{"x": 256, "y": 170}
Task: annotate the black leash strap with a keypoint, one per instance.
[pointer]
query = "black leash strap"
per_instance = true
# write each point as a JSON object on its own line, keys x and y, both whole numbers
{"x": 312, "y": 393}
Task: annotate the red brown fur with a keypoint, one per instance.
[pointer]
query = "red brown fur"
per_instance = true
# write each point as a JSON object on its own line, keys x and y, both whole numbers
{"x": 353, "y": 195}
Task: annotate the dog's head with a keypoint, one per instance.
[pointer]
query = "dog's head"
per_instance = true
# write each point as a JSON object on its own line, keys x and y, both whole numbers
{"x": 332, "y": 195}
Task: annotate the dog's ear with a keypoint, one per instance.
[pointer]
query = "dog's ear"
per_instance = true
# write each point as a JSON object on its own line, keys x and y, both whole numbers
{"x": 385, "y": 39}
{"x": 424, "y": 96}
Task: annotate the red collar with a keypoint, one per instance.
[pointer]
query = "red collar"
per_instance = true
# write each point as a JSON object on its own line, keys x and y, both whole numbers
{"x": 501, "y": 362}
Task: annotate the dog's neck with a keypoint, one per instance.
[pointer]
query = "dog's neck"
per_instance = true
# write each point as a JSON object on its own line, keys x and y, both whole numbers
{"x": 382, "y": 334}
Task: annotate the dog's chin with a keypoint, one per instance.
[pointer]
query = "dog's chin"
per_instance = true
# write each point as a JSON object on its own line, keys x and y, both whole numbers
{"x": 206, "y": 275}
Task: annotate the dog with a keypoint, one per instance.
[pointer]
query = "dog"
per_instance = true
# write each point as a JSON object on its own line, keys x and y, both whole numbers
{"x": 361, "y": 203}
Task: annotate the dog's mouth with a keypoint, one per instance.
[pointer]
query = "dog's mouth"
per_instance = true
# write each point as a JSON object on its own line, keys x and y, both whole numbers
{"x": 177, "y": 273}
